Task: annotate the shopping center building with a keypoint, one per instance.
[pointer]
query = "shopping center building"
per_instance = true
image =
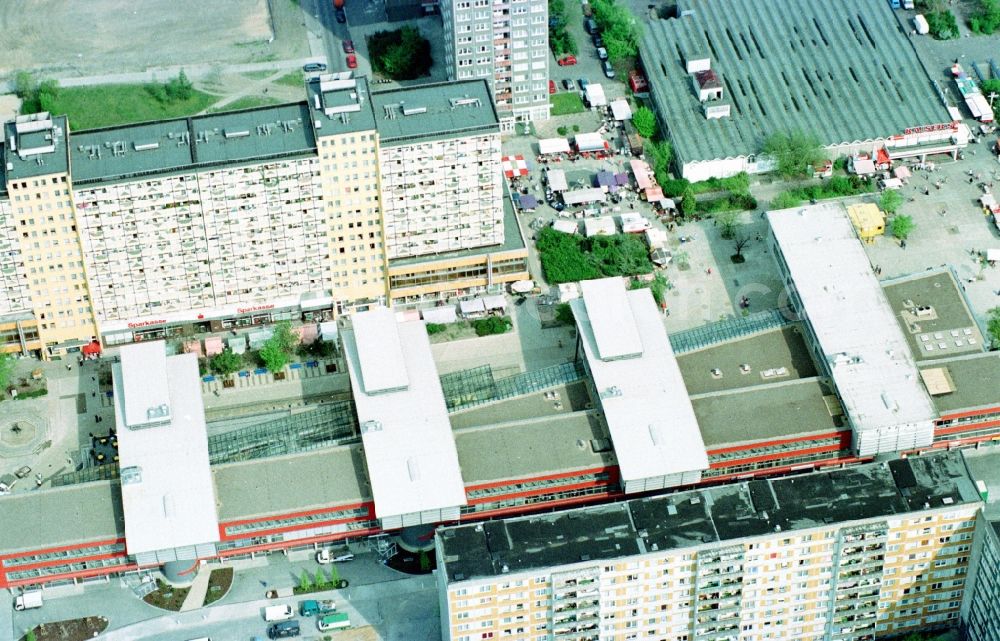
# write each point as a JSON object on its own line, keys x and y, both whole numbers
{"x": 291, "y": 212}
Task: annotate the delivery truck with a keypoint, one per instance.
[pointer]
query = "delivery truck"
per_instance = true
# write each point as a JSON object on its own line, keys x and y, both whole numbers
{"x": 28, "y": 600}
{"x": 278, "y": 613}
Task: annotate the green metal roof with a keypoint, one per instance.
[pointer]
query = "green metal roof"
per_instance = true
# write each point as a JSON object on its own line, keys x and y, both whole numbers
{"x": 167, "y": 146}
{"x": 434, "y": 112}
{"x": 43, "y": 164}
{"x": 843, "y": 71}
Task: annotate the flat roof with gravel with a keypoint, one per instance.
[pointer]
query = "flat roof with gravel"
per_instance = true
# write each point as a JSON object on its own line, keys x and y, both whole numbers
{"x": 35, "y": 145}
{"x": 843, "y": 71}
{"x": 529, "y": 448}
{"x": 61, "y": 516}
{"x": 773, "y": 356}
{"x": 438, "y": 111}
{"x": 929, "y": 309}
{"x": 974, "y": 377}
{"x": 779, "y": 410}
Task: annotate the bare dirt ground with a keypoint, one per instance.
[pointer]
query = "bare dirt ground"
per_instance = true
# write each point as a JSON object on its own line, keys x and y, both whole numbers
{"x": 73, "y": 38}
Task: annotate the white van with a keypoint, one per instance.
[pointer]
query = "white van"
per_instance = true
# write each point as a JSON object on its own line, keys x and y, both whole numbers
{"x": 278, "y": 613}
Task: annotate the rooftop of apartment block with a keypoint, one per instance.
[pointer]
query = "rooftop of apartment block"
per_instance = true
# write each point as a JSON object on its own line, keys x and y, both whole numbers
{"x": 705, "y": 516}
{"x": 844, "y": 71}
{"x": 424, "y": 113}
{"x": 35, "y": 145}
{"x": 984, "y": 466}
{"x": 340, "y": 104}
{"x": 185, "y": 144}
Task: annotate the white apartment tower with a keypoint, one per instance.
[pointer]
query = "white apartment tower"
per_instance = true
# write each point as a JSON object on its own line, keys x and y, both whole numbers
{"x": 507, "y": 43}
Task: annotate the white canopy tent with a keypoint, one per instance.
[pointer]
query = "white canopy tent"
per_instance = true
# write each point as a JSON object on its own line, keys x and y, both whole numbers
{"x": 440, "y": 315}
{"x": 620, "y": 110}
{"x": 595, "y": 95}
{"x": 566, "y": 226}
{"x": 553, "y": 146}
{"x": 600, "y": 226}
{"x": 556, "y": 179}
{"x": 583, "y": 196}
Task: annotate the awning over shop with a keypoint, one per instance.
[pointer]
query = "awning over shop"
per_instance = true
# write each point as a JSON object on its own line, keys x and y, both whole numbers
{"x": 566, "y": 226}
{"x": 553, "y": 146}
{"x": 440, "y": 315}
{"x": 328, "y": 330}
{"x": 522, "y": 286}
{"x": 213, "y": 345}
{"x": 307, "y": 333}
{"x": 643, "y": 175}
{"x": 605, "y": 179}
{"x": 583, "y": 196}
{"x": 92, "y": 348}
{"x": 621, "y": 180}
{"x": 902, "y": 172}
{"x": 595, "y": 95}
{"x": 495, "y": 302}
{"x": 193, "y": 347}
{"x": 237, "y": 344}
{"x": 600, "y": 226}
{"x": 654, "y": 194}
{"x": 590, "y": 142}
{"x": 474, "y": 307}
{"x": 527, "y": 202}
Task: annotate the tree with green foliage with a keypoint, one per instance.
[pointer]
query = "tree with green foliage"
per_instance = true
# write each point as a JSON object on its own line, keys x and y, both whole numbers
{"x": 284, "y": 337}
{"x": 305, "y": 583}
{"x": 491, "y": 325}
{"x": 728, "y": 222}
{"x": 942, "y": 25}
{"x": 179, "y": 88}
{"x": 644, "y": 121}
{"x": 402, "y": 54}
{"x": 619, "y": 29}
{"x": 334, "y": 576}
{"x": 993, "y": 326}
{"x": 785, "y": 200}
{"x": 435, "y": 328}
{"x": 320, "y": 578}
{"x": 561, "y": 41}
{"x": 568, "y": 258}
{"x": 657, "y": 286}
{"x": 7, "y": 365}
{"x": 48, "y": 91}
{"x": 660, "y": 155}
{"x": 274, "y": 357}
{"x": 425, "y": 561}
{"x": 688, "y": 203}
{"x": 25, "y": 85}
{"x": 564, "y": 314}
{"x": 793, "y": 152}
{"x": 890, "y": 201}
{"x": 226, "y": 362}
{"x": 902, "y": 226}
{"x": 986, "y": 19}
{"x": 990, "y": 85}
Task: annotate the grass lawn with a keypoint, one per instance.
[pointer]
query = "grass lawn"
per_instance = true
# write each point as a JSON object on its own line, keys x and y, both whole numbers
{"x": 219, "y": 582}
{"x": 292, "y": 79}
{"x": 107, "y": 105}
{"x": 568, "y": 102}
{"x": 246, "y": 102}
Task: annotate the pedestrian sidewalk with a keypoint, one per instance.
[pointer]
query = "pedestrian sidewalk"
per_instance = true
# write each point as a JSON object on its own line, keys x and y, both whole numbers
{"x": 195, "y": 598}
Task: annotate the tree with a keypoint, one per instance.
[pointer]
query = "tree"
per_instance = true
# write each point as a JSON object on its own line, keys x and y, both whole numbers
{"x": 619, "y": 29}
{"x": 7, "y": 365}
{"x": 564, "y": 314}
{"x": 993, "y": 326}
{"x": 902, "y": 226}
{"x": 30, "y": 636}
{"x": 179, "y": 88}
{"x": 226, "y": 362}
{"x": 942, "y": 25}
{"x": 491, "y": 325}
{"x": 274, "y": 357}
{"x": 688, "y": 203}
{"x": 987, "y": 19}
{"x": 657, "y": 286}
{"x": 794, "y": 153}
{"x": 890, "y": 201}
{"x": 48, "y": 90}
{"x": 402, "y": 54}
{"x": 25, "y": 85}
{"x": 739, "y": 242}
{"x": 425, "y": 561}
{"x": 645, "y": 122}
{"x": 284, "y": 337}
{"x": 305, "y": 584}
{"x": 991, "y": 85}
{"x": 320, "y": 577}
{"x": 785, "y": 200}
{"x": 334, "y": 576}
{"x": 728, "y": 222}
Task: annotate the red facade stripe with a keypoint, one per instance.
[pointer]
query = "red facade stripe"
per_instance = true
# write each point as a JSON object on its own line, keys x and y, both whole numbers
{"x": 979, "y": 412}
{"x": 286, "y": 544}
{"x": 956, "y": 429}
{"x": 64, "y": 548}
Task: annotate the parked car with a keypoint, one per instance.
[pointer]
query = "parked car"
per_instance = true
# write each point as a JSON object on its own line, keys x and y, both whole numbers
{"x": 568, "y": 84}
{"x": 552, "y": 86}
{"x": 584, "y": 83}
{"x": 352, "y": 61}
{"x": 598, "y": 40}
{"x": 566, "y": 61}
{"x": 609, "y": 71}
{"x": 340, "y": 15}
{"x": 602, "y": 53}
{"x": 590, "y": 25}
{"x": 23, "y": 472}
{"x": 587, "y": 11}
{"x": 283, "y": 630}
{"x": 312, "y": 606}
{"x": 348, "y": 46}
{"x": 310, "y": 67}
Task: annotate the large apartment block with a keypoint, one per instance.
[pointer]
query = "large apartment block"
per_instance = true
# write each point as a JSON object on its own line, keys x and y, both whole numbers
{"x": 981, "y": 612}
{"x": 505, "y": 42}
{"x": 286, "y": 212}
{"x": 853, "y": 554}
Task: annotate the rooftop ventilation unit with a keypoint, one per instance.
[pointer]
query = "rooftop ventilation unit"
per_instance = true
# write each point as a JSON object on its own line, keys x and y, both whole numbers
{"x": 145, "y": 146}
{"x": 413, "y": 111}
{"x": 158, "y": 411}
{"x": 371, "y": 426}
{"x": 465, "y": 100}
{"x": 242, "y": 133}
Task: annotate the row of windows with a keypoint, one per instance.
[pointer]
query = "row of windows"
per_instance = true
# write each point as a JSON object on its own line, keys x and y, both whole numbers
{"x": 532, "y": 500}
{"x": 95, "y": 550}
{"x": 527, "y": 486}
{"x": 772, "y": 449}
{"x": 271, "y": 524}
{"x": 783, "y": 462}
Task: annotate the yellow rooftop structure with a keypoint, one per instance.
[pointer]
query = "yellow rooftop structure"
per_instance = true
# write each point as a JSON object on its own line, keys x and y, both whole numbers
{"x": 868, "y": 220}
